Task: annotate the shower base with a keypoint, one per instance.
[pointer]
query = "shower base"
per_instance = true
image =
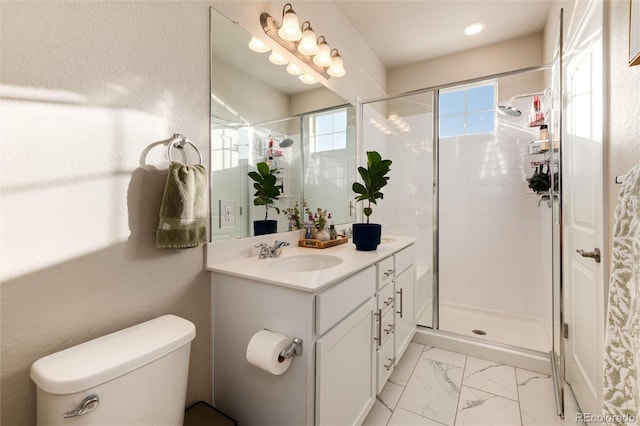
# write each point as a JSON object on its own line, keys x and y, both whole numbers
{"x": 504, "y": 328}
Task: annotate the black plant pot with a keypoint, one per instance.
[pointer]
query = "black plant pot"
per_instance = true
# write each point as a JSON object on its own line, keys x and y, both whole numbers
{"x": 263, "y": 227}
{"x": 366, "y": 236}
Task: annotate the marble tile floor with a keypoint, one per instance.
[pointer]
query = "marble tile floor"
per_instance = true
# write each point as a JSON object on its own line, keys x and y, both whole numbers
{"x": 432, "y": 386}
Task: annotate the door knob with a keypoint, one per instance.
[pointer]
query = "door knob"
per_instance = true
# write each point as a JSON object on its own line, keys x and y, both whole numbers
{"x": 595, "y": 254}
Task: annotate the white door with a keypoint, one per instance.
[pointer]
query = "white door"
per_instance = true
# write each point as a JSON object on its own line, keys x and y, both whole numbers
{"x": 583, "y": 210}
{"x": 345, "y": 375}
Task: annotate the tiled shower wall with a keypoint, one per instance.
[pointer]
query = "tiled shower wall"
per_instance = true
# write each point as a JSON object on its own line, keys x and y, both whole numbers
{"x": 492, "y": 233}
{"x": 494, "y": 240}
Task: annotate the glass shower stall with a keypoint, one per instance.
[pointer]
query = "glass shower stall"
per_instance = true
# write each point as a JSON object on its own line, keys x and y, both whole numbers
{"x": 475, "y": 178}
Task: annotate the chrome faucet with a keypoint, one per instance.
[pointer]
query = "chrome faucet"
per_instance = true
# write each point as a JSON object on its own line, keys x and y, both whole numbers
{"x": 274, "y": 251}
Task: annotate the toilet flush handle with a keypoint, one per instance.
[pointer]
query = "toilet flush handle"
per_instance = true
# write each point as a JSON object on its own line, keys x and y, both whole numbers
{"x": 88, "y": 404}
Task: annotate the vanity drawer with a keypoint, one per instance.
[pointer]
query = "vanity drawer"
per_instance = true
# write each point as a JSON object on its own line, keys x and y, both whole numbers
{"x": 387, "y": 328}
{"x": 385, "y": 362}
{"x": 336, "y": 303}
{"x": 405, "y": 258}
{"x": 385, "y": 271}
{"x": 385, "y": 297}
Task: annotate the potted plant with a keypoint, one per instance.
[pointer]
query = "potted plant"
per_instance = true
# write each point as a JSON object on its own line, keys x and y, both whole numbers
{"x": 267, "y": 191}
{"x": 366, "y": 236}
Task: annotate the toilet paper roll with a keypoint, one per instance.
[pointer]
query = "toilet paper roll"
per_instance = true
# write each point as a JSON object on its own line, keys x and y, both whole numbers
{"x": 264, "y": 350}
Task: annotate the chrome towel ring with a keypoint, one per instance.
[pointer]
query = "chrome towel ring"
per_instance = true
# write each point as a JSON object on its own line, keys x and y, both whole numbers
{"x": 179, "y": 141}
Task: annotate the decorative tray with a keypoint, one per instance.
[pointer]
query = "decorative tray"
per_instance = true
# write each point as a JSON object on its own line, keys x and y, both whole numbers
{"x": 341, "y": 239}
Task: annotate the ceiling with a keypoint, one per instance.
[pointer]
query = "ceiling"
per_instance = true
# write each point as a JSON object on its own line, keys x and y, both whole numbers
{"x": 402, "y": 32}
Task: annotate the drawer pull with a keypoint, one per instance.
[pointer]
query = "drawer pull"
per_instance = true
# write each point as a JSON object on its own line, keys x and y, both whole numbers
{"x": 390, "y": 329}
{"x": 378, "y": 338}
{"x": 389, "y": 301}
{"x": 389, "y": 272}
{"x": 400, "y": 311}
{"x": 390, "y": 364}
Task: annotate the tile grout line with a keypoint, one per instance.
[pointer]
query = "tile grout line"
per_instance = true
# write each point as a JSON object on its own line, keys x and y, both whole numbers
{"x": 515, "y": 374}
{"x": 455, "y": 417}
{"x": 405, "y": 386}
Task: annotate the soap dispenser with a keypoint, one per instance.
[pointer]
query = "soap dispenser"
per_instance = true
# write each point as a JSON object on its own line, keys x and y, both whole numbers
{"x": 333, "y": 234}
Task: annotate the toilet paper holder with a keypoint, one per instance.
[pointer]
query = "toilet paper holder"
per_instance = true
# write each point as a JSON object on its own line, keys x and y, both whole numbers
{"x": 294, "y": 349}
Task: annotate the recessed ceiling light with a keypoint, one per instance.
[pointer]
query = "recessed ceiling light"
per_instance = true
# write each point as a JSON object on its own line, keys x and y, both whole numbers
{"x": 473, "y": 28}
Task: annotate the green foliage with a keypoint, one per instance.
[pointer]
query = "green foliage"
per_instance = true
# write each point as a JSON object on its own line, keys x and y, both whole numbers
{"x": 373, "y": 180}
{"x": 267, "y": 190}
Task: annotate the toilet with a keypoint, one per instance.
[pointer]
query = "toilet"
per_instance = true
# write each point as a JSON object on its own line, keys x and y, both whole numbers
{"x": 133, "y": 377}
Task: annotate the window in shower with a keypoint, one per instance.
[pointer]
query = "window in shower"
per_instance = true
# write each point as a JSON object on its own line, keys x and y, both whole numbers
{"x": 329, "y": 131}
{"x": 467, "y": 111}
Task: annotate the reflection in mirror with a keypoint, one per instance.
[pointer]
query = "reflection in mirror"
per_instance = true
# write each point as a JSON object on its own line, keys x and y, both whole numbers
{"x": 253, "y": 102}
{"x": 330, "y": 161}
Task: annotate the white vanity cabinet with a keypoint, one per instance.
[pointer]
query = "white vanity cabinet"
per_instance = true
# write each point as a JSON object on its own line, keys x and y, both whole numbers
{"x": 344, "y": 364}
{"x": 347, "y": 354}
{"x": 395, "y": 311}
{"x": 344, "y": 354}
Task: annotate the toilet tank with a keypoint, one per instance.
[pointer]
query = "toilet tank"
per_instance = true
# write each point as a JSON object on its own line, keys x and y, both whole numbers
{"x": 138, "y": 374}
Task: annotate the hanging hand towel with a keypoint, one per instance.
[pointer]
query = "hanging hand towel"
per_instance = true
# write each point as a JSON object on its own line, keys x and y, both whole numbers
{"x": 184, "y": 208}
{"x": 622, "y": 348}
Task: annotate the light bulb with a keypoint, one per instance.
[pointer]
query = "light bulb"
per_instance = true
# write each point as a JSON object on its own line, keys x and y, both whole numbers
{"x": 323, "y": 58}
{"x": 307, "y": 79}
{"x": 308, "y": 45}
{"x": 293, "y": 69}
{"x": 276, "y": 58}
{"x": 290, "y": 29}
{"x": 258, "y": 46}
{"x": 337, "y": 68}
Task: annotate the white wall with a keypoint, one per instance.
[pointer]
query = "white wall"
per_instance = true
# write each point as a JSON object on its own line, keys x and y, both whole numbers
{"x": 621, "y": 126}
{"x": 88, "y": 90}
{"x": 510, "y": 55}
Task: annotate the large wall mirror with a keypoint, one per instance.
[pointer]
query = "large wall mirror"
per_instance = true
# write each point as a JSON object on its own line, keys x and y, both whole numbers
{"x": 260, "y": 113}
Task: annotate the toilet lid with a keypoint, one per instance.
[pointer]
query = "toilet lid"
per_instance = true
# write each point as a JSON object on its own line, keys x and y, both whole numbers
{"x": 99, "y": 360}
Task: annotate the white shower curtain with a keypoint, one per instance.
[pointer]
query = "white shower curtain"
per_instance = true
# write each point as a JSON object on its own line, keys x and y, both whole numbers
{"x": 622, "y": 350}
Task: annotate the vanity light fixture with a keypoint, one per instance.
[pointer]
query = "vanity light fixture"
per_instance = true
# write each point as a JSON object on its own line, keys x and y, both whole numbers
{"x": 323, "y": 57}
{"x": 337, "y": 68}
{"x": 293, "y": 69}
{"x": 289, "y": 30}
{"x": 308, "y": 79}
{"x": 301, "y": 42}
{"x": 308, "y": 44}
{"x": 278, "y": 59}
{"x": 258, "y": 46}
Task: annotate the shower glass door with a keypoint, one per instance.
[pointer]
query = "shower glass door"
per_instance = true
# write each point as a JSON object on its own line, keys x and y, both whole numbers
{"x": 464, "y": 155}
{"x": 401, "y": 129}
{"x": 494, "y": 246}
{"x": 555, "y": 136}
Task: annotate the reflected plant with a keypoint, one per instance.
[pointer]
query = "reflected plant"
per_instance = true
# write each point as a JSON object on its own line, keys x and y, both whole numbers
{"x": 266, "y": 189}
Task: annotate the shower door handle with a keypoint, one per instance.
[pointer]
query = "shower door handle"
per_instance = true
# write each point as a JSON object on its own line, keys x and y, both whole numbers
{"x": 595, "y": 254}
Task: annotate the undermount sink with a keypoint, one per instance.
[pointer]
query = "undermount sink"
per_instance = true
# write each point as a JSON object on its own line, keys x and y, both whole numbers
{"x": 305, "y": 263}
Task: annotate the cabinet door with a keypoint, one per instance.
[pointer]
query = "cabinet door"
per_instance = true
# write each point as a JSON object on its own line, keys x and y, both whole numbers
{"x": 405, "y": 310}
{"x": 345, "y": 370}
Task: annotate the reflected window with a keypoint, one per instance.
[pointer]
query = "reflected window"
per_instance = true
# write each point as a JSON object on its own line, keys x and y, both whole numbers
{"x": 467, "y": 111}
{"x": 328, "y": 131}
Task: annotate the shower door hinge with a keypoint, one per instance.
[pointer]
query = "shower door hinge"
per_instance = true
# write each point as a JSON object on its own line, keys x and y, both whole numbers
{"x": 565, "y": 330}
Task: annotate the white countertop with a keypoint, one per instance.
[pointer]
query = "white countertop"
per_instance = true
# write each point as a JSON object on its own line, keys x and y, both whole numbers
{"x": 266, "y": 270}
